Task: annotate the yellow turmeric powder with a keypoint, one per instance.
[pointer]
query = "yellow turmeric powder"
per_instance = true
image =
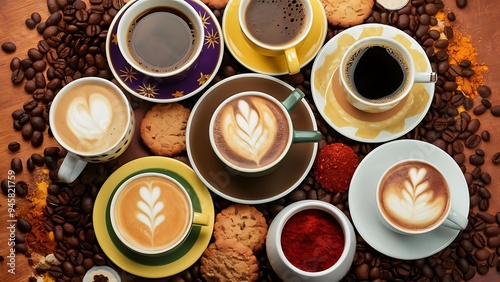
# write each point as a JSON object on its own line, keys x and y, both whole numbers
{"x": 460, "y": 48}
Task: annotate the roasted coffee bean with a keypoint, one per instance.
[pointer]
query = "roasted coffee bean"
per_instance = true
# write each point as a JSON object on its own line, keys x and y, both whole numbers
{"x": 485, "y": 135}
{"x": 15, "y": 64}
{"x": 55, "y": 271}
{"x": 496, "y": 159}
{"x": 484, "y": 91}
{"x": 21, "y": 188}
{"x": 14, "y": 146}
{"x": 495, "y": 111}
{"x": 21, "y": 248}
{"x": 16, "y": 165}
{"x": 486, "y": 103}
{"x": 49, "y": 32}
{"x": 36, "y": 17}
{"x": 9, "y": 47}
{"x": 34, "y": 54}
{"x": 38, "y": 123}
{"x": 493, "y": 242}
{"x": 30, "y": 23}
{"x": 53, "y": 19}
{"x": 17, "y": 76}
{"x": 68, "y": 269}
{"x": 473, "y": 141}
{"x": 492, "y": 231}
{"x": 486, "y": 217}
{"x": 457, "y": 100}
{"x": 29, "y": 73}
{"x": 38, "y": 66}
{"x": 467, "y": 73}
{"x": 480, "y": 109}
{"x": 23, "y": 225}
{"x": 478, "y": 240}
{"x": 473, "y": 125}
{"x": 484, "y": 205}
{"x": 484, "y": 193}
{"x": 37, "y": 138}
{"x": 468, "y": 103}
{"x": 41, "y": 28}
{"x": 30, "y": 86}
{"x": 461, "y": 3}
{"x": 87, "y": 205}
{"x": 492, "y": 260}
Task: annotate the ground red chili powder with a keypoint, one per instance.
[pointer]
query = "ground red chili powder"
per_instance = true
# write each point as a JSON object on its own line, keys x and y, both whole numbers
{"x": 312, "y": 240}
{"x": 335, "y": 166}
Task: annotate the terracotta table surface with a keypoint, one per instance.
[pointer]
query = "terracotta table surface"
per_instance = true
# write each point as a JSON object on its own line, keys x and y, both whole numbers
{"x": 479, "y": 20}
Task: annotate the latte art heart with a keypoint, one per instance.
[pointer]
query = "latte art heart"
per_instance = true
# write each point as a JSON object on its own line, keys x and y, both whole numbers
{"x": 89, "y": 118}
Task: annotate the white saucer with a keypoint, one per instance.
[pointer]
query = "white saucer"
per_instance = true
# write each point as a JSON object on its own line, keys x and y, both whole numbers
{"x": 351, "y": 122}
{"x": 362, "y": 199}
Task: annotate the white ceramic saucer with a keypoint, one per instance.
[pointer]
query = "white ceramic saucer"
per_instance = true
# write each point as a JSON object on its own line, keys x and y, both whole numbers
{"x": 351, "y": 122}
{"x": 362, "y": 196}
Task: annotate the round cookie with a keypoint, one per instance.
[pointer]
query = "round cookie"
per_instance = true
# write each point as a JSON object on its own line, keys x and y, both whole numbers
{"x": 244, "y": 223}
{"x": 163, "y": 129}
{"x": 346, "y": 13}
{"x": 229, "y": 260}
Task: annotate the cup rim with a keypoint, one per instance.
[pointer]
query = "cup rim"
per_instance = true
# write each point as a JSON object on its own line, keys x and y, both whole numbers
{"x": 337, "y": 215}
{"x": 297, "y": 41}
{"x": 67, "y": 88}
{"x": 132, "y": 12}
{"x": 407, "y": 231}
{"x": 258, "y": 169}
{"x": 408, "y": 59}
{"x": 120, "y": 189}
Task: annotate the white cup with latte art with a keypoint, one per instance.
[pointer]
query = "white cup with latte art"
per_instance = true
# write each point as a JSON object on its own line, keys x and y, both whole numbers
{"x": 413, "y": 197}
{"x": 152, "y": 213}
{"x": 93, "y": 120}
{"x": 251, "y": 132}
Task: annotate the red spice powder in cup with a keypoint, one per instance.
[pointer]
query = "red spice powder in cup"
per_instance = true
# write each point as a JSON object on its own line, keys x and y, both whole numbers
{"x": 334, "y": 167}
{"x": 312, "y": 240}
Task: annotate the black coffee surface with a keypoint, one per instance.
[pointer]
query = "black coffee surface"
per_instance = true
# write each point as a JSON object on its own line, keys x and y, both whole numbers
{"x": 377, "y": 74}
{"x": 275, "y": 22}
{"x": 162, "y": 39}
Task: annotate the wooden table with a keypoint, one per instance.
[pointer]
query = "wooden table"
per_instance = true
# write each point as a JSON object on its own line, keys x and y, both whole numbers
{"x": 478, "y": 20}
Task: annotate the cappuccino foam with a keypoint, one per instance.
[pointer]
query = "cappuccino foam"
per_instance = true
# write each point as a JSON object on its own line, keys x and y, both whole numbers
{"x": 251, "y": 131}
{"x": 91, "y": 118}
{"x": 152, "y": 213}
{"x": 414, "y": 196}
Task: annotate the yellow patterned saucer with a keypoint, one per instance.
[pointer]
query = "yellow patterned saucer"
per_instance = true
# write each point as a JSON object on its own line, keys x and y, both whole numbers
{"x": 160, "y": 265}
{"x": 351, "y": 122}
{"x": 248, "y": 57}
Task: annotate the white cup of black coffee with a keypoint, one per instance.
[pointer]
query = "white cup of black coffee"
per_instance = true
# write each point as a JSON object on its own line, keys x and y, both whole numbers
{"x": 276, "y": 28}
{"x": 413, "y": 197}
{"x": 378, "y": 72}
{"x": 161, "y": 38}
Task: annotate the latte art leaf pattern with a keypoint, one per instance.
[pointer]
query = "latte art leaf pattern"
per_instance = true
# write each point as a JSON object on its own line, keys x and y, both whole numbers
{"x": 150, "y": 208}
{"x": 250, "y": 129}
{"x": 417, "y": 203}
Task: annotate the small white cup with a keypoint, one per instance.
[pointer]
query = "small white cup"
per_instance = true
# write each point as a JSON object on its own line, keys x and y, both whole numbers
{"x": 139, "y": 9}
{"x": 286, "y": 270}
{"x": 289, "y": 49}
{"x": 253, "y": 134}
{"x": 193, "y": 218}
{"x": 77, "y": 158}
{"x": 414, "y": 188}
{"x": 386, "y": 101}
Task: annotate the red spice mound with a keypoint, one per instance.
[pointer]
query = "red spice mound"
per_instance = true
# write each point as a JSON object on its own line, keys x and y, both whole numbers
{"x": 312, "y": 240}
{"x": 335, "y": 166}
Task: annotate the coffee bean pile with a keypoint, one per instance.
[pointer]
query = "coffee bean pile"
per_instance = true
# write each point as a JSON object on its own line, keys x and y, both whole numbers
{"x": 73, "y": 47}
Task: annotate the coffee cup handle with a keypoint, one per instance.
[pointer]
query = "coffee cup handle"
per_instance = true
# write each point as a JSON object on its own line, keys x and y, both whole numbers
{"x": 455, "y": 221}
{"x": 292, "y": 61}
{"x": 300, "y": 136}
{"x": 201, "y": 219}
{"x": 424, "y": 77}
{"x": 292, "y": 99}
{"x": 70, "y": 168}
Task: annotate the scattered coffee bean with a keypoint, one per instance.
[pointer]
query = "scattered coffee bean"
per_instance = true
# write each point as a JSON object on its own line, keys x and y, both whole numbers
{"x": 496, "y": 159}
{"x": 484, "y": 91}
{"x": 23, "y": 225}
{"x": 21, "y": 188}
{"x": 17, "y": 76}
{"x": 461, "y": 3}
{"x": 16, "y": 165}
{"x": 30, "y": 23}
{"x": 495, "y": 111}
{"x": 37, "y": 138}
{"x": 9, "y": 47}
{"x": 480, "y": 109}
{"x": 36, "y": 17}
{"x": 14, "y": 146}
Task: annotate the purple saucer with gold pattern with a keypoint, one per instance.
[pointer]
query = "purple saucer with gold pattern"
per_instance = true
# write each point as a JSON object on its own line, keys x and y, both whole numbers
{"x": 155, "y": 89}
